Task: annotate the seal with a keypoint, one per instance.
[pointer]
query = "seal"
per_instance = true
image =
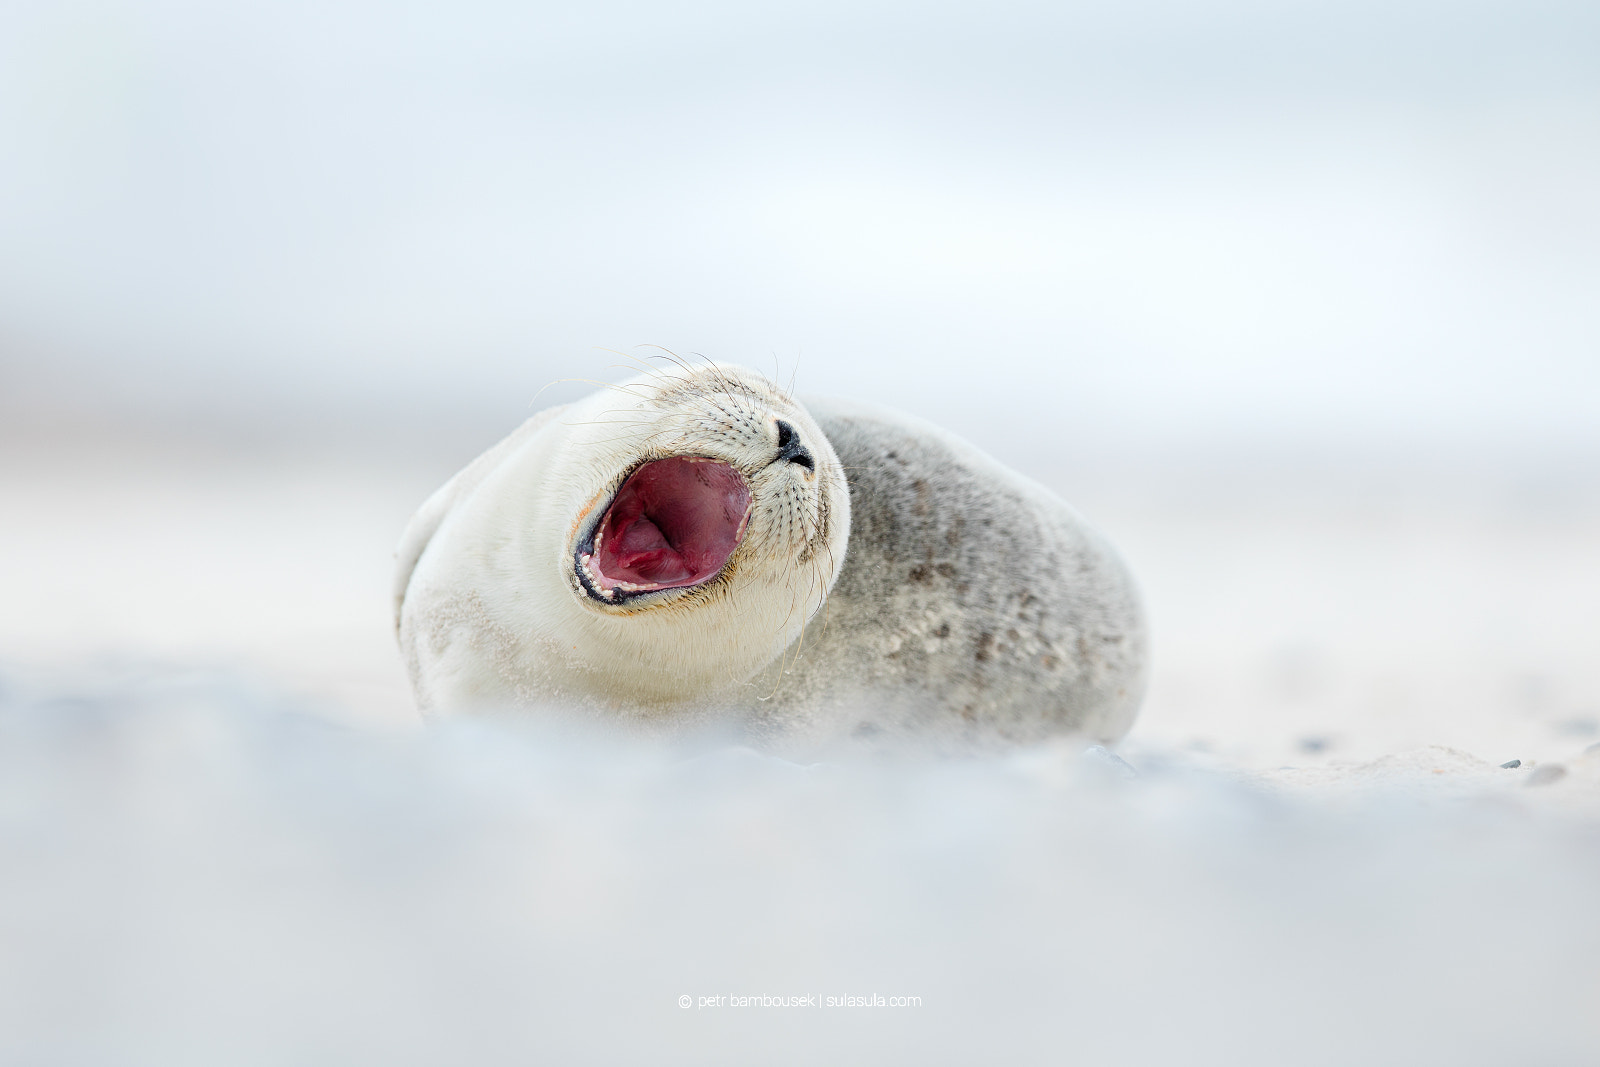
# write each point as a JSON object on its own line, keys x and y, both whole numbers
{"x": 694, "y": 544}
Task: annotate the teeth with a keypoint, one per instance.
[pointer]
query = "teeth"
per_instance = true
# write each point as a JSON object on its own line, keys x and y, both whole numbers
{"x": 598, "y": 581}
{"x": 595, "y": 578}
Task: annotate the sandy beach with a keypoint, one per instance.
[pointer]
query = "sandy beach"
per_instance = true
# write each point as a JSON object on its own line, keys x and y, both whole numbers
{"x": 226, "y": 835}
{"x": 1311, "y": 621}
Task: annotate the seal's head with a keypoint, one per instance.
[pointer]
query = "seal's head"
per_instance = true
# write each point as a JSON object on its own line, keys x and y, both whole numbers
{"x": 708, "y": 520}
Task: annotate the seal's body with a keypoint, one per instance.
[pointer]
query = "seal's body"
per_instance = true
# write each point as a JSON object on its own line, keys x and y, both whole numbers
{"x": 974, "y": 604}
{"x": 663, "y": 552}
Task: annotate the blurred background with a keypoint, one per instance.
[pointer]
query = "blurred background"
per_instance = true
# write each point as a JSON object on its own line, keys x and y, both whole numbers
{"x": 1300, "y": 302}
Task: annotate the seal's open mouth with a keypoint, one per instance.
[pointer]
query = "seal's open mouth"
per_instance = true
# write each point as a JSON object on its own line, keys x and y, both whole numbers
{"x": 674, "y": 523}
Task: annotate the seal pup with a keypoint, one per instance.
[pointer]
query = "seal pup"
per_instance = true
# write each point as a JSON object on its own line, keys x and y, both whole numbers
{"x": 696, "y": 544}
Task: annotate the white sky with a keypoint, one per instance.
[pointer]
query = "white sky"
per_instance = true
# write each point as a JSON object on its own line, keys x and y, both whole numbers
{"x": 1270, "y": 221}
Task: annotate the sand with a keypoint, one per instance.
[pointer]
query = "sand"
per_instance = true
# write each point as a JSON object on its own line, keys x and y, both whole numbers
{"x": 225, "y": 838}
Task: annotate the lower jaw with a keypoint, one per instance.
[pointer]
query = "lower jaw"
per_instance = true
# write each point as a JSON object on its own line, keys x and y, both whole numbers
{"x": 622, "y": 592}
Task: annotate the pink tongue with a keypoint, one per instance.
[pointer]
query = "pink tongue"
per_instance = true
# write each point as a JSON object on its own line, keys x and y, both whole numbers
{"x": 643, "y": 549}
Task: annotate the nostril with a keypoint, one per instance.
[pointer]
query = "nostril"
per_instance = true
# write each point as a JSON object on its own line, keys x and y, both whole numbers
{"x": 790, "y": 448}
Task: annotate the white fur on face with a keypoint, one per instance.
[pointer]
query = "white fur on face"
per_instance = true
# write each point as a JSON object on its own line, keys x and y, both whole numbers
{"x": 494, "y": 612}
{"x": 731, "y": 415}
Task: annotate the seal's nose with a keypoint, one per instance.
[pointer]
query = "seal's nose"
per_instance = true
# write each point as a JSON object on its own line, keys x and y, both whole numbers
{"x": 790, "y": 448}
